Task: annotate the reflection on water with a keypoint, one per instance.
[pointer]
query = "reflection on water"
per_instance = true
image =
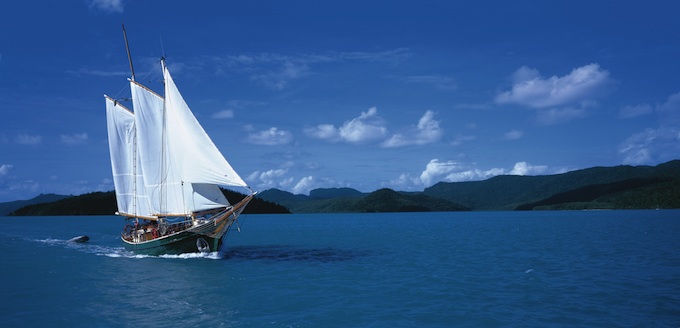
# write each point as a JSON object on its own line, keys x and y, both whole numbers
{"x": 289, "y": 253}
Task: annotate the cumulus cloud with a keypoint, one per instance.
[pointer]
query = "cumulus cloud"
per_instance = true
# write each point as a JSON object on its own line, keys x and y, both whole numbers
{"x": 278, "y": 178}
{"x": 531, "y": 89}
{"x": 270, "y": 137}
{"x": 435, "y": 170}
{"x": 109, "y": 6}
{"x": 304, "y": 185}
{"x": 72, "y": 139}
{"x": 426, "y": 131}
{"x": 524, "y": 168}
{"x": 453, "y": 171}
{"x": 268, "y": 179}
{"x": 27, "y": 139}
{"x": 223, "y": 114}
{"x": 367, "y": 127}
{"x": 651, "y": 146}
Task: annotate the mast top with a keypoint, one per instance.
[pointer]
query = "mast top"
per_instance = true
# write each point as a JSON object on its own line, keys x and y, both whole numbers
{"x": 127, "y": 48}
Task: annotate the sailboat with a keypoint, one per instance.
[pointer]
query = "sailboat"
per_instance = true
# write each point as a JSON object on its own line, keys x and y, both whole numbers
{"x": 167, "y": 173}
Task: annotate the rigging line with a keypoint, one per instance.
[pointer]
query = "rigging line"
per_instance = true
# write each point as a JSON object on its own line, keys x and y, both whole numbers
{"x": 126, "y": 86}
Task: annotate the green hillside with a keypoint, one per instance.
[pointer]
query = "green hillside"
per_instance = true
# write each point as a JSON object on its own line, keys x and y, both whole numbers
{"x": 9, "y": 207}
{"x": 345, "y": 200}
{"x": 510, "y": 192}
{"x": 104, "y": 203}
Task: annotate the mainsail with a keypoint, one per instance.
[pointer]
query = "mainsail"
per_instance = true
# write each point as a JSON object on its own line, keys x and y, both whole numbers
{"x": 179, "y": 165}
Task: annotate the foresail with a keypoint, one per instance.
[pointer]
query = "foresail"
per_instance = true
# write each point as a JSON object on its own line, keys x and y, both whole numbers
{"x": 162, "y": 181}
{"x": 127, "y": 180}
{"x": 200, "y": 159}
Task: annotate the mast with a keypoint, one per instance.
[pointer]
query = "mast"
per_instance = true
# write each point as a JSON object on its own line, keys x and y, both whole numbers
{"x": 127, "y": 48}
{"x": 134, "y": 147}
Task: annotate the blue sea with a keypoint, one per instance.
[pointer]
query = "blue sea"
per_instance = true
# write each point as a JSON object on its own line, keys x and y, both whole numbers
{"x": 461, "y": 269}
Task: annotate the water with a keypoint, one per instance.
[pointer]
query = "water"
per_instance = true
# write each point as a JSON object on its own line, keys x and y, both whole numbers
{"x": 489, "y": 269}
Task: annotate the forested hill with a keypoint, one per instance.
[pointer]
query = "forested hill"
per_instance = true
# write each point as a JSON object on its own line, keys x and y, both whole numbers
{"x": 104, "y": 203}
{"x": 619, "y": 187}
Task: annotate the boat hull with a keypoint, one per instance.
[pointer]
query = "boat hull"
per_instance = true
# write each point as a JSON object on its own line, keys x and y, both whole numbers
{"x": 179, "y": 243}
{"x": 203, "y": 236}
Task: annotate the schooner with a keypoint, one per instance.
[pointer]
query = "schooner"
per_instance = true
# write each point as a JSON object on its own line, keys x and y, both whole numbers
{"x": 167, "y": 173}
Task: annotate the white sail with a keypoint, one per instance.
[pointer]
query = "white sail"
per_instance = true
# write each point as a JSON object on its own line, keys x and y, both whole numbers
{"x": 182, "y": 168}
{"x": 161, "y": 179}
{"x": 127, "y": 179}
{"x": 198, "y": 156}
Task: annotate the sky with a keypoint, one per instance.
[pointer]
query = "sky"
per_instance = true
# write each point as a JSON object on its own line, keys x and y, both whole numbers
{"x": 301, "y": 95}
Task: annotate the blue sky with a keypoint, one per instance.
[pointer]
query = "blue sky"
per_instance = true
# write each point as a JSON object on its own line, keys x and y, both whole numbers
{"x": 363, "y": 94}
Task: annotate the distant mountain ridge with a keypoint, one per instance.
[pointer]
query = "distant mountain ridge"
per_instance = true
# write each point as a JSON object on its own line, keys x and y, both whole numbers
{"x": 618, "y": 187}
{"x": 104, "y": 203}
{"x": 8, "y": 207}
{"x": 510, "y": 192}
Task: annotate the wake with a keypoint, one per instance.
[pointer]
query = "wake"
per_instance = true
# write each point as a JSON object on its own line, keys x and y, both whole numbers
{"x": 121, "y": 252}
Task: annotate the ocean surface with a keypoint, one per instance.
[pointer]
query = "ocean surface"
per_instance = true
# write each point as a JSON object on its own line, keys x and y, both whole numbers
{"x": 479, "y": 269}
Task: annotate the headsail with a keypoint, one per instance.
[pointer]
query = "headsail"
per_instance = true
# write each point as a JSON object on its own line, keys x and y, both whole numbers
{"x": 127, "y": 177}
{"x": 198, "y": 156}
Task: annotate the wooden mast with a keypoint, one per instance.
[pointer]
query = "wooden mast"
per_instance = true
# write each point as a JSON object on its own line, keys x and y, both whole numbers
{"x": 127, "y": 48}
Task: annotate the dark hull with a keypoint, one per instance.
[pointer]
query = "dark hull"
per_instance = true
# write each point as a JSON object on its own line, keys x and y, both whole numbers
{"x": 179, "y": 243}
{"x": 204, "y": 237}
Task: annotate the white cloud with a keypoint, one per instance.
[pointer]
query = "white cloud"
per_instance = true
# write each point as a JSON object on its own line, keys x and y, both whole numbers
{"x": 530, "y": 89}
{"x": 109, "y": 6}
{"x": 435, "y": 170}
{"x": 271, "y": 137}
{"x": 452, "y": 171}
{"x": 304, "y": 185}
{"x": 514, "y": 135}
{"x": 27, "y": 139}
{"x": 524, "y": 168}
{"x": 324, "y": 131}
{"x": 73, "y": 139}
{"x": 267, "y": 179}
{"x": 223, "y": 114}
{"x": 651, "y": 146}
{"x": 278, "y": 178}
{"x": 4, "y": 169}
{"x": 427, "y": 131}
{"x": 367, "y": 127}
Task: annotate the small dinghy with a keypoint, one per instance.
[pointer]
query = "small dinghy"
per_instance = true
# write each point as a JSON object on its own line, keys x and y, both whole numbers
{"x": 79, "y": 239}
